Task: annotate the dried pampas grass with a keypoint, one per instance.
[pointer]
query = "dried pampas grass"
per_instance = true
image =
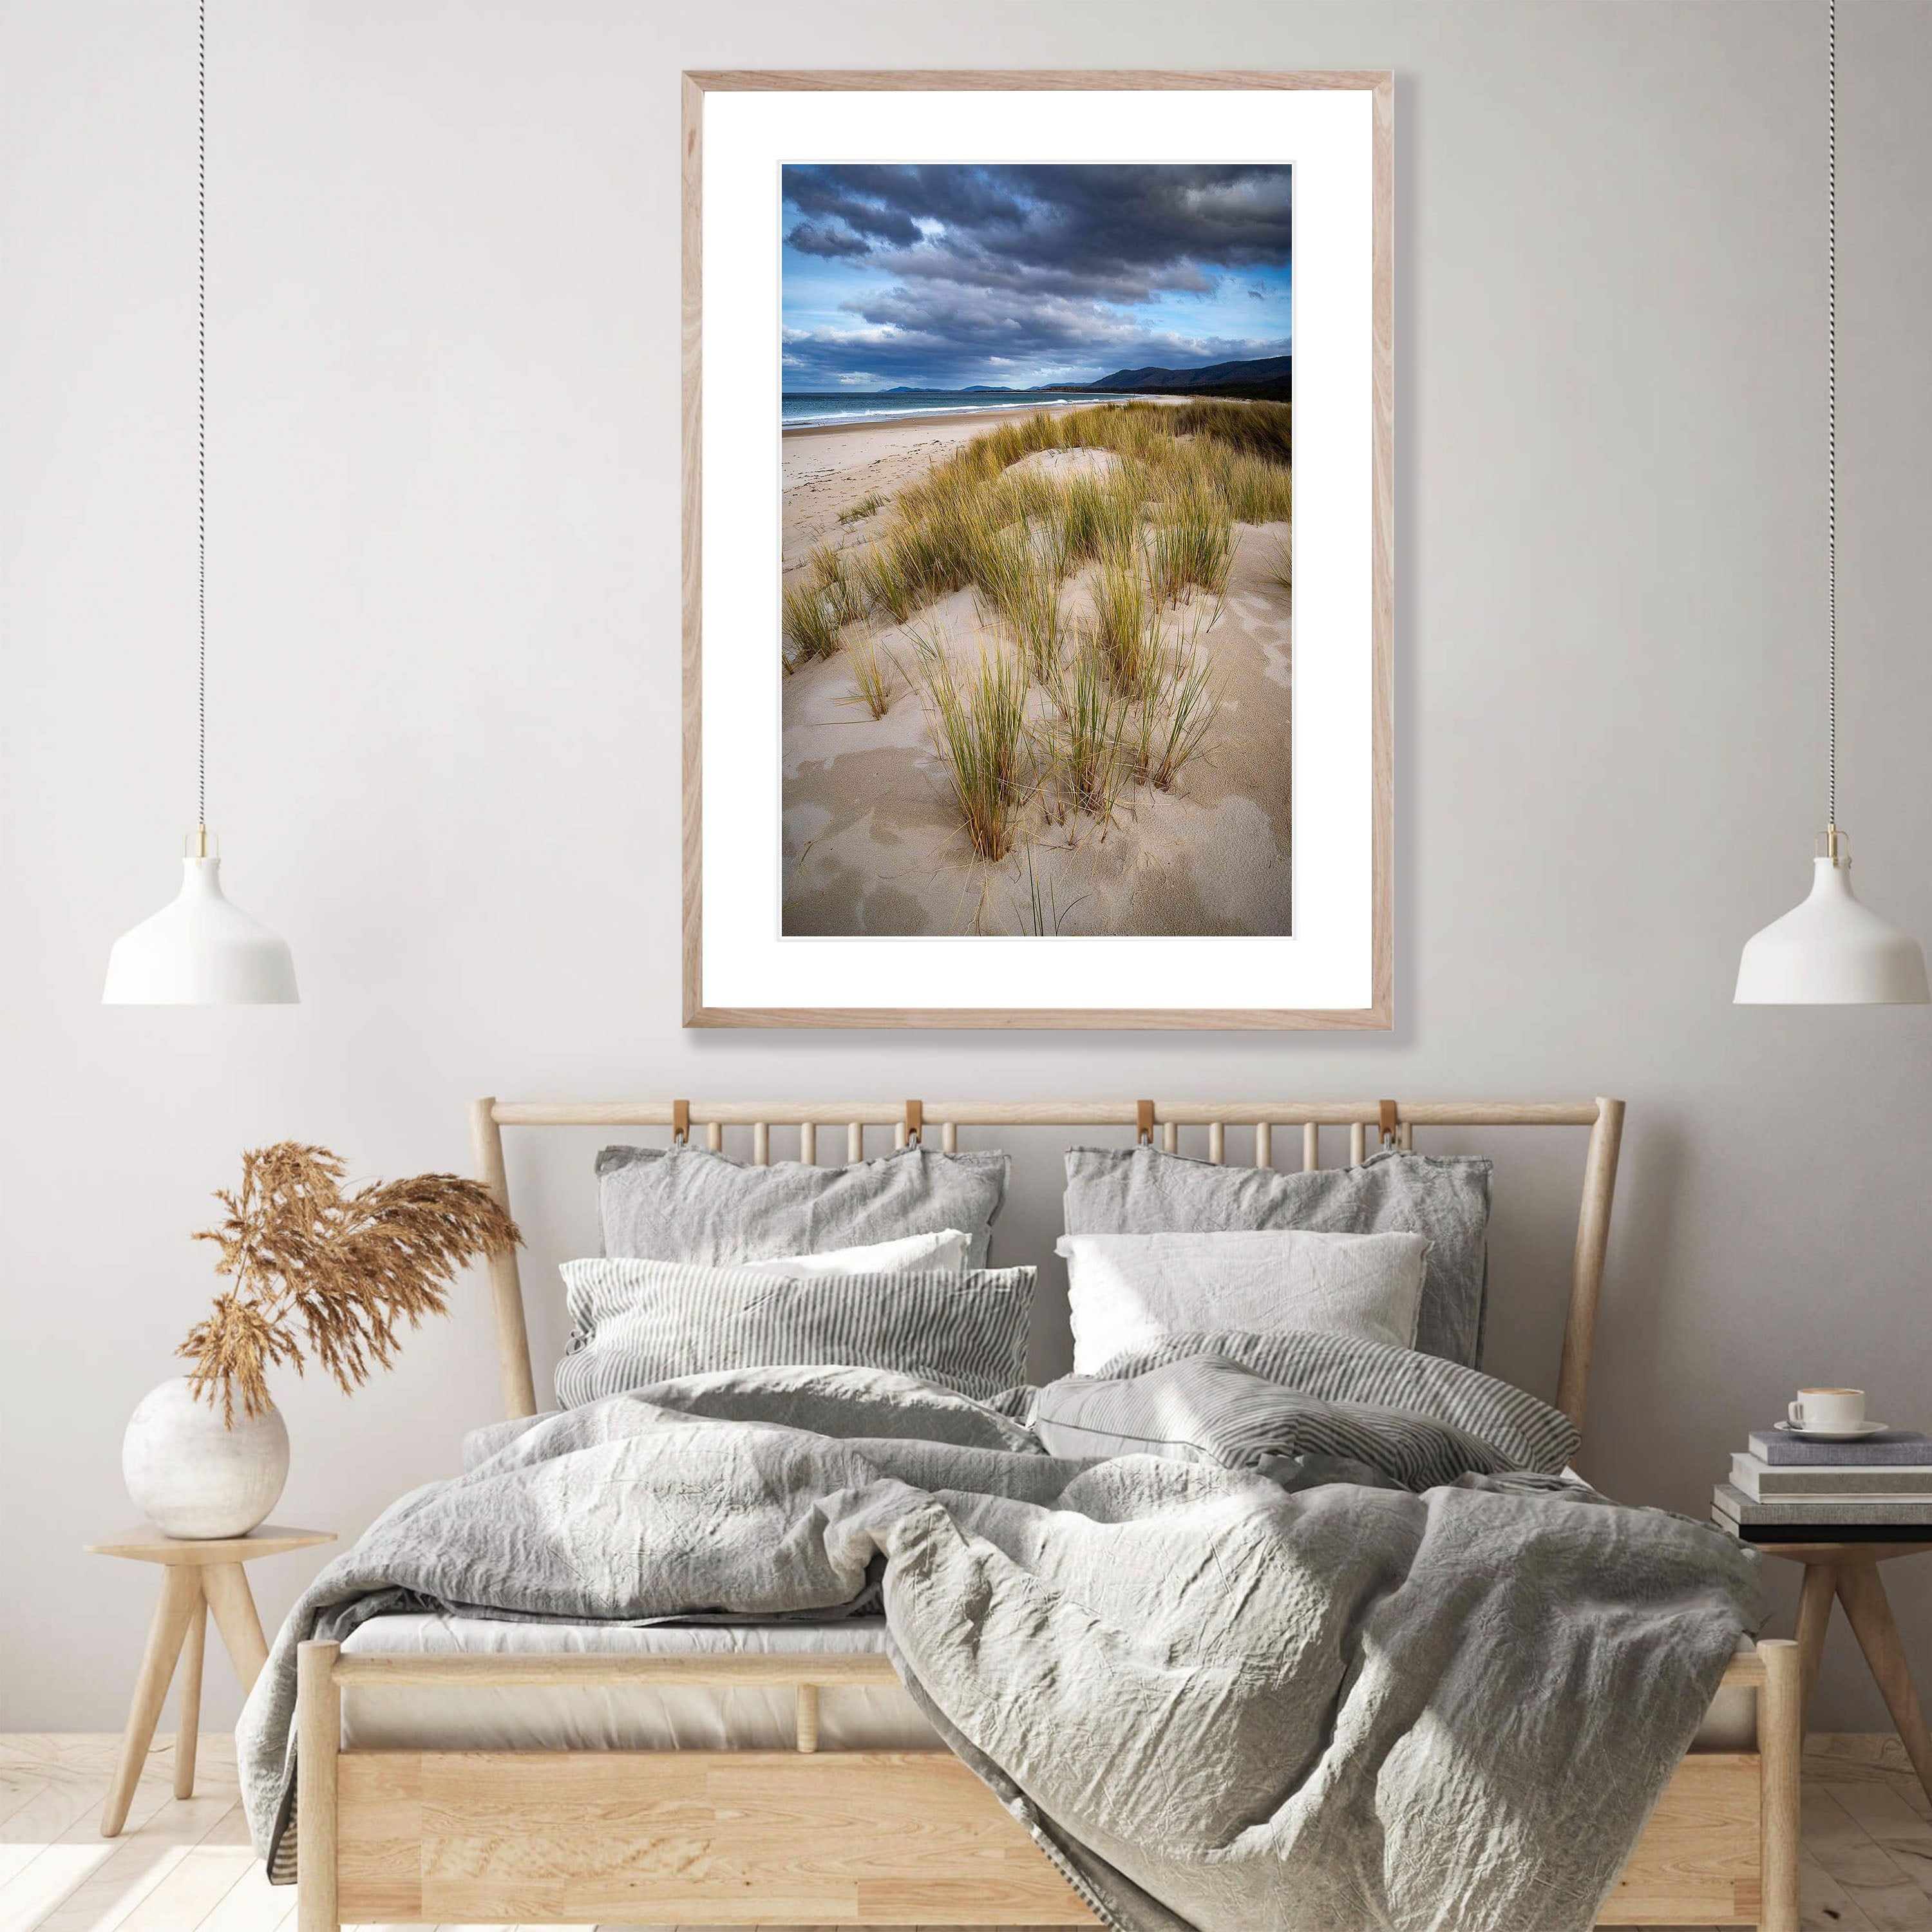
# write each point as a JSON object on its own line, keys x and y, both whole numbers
{"x": 338, "y": 1273}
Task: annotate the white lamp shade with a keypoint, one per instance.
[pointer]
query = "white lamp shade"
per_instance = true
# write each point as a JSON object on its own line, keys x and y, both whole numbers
{"x": 200, "y": 951}
{"x": 1830, "y": 951}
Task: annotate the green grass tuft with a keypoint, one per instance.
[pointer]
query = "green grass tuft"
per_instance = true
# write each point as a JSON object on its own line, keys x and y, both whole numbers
{"x": 872, "y": 681}
{"x": 1123, "y": 632}
{"x": 1261, "y": 429}
{"x": 888, "y": 581}
{"x": 979, "y": 724}
{"x": 1279, "y": 568}
{"x": 1177, "y": 713}
{"x": 1016, "y": 582}
{"x": 1100, "y": 517}
{"x": 1191, "y": 545}
{"x": 1087, "y": 734}
{"x": 832, "y": 577}
{"x": 1256, "y": 490}
{"x": 810, "y": 623}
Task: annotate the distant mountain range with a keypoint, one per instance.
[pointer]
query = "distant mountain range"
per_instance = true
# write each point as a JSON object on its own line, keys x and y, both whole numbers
{"x": 1270, "y": 372}
{"x": 1267, "y": 376}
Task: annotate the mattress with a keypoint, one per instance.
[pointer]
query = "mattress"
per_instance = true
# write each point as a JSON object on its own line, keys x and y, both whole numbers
{"x": 631, "y": 1717}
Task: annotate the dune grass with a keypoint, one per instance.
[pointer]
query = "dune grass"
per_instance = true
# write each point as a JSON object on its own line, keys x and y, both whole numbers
{"x": 1129, "y": 695}
{"x": 1203, "y": 465}
{"x": 1099, "y": 518}
{"x": 979, "y": 725}
{"x": 832, "y": 577}
{"x": 1279, "y": 567}
{"x": 874, "y": 684}
{"x": 1191, "y": 544}
{"x": 1099, "y": 734}
{"x": 1031, "y": 497}
{"x": 1256, "y": 491}
{"x": 1125, "y": 629}
{"x": 1261, "y": 429}
{"x": 1087, "y": 734}
{"x": 811, "y": 624}
{"x": 1016, "y": 583}
{"x": 1176, "y": 713}
{"x": 887, "y": 579}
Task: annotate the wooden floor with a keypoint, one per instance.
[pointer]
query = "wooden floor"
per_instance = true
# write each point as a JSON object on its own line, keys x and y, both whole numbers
{"x": 184, "y": 1865}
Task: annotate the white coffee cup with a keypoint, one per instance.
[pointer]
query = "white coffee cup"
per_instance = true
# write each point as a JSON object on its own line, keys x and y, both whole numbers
{"x": 1830, "y": 1411}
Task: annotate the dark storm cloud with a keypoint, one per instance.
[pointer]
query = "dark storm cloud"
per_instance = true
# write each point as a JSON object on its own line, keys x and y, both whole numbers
{"x": 884, "y": 205}
{"x": 811, "y": 238}
{"x": 1118, "y": 233}
{"x": 993, "y": 274}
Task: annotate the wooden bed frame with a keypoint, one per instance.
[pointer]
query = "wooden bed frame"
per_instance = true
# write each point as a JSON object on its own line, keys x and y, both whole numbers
{"x": 749, "y": 1838}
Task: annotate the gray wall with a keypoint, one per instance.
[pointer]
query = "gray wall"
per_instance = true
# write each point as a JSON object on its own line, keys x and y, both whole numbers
{"x": 443, "y": 503}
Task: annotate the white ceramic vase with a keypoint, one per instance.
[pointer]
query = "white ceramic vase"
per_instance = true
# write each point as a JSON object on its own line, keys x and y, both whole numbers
{"x": 192, "y": 1477}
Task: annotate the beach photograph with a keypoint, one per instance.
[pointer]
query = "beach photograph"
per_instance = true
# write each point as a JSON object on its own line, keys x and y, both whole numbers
{"x": 1037, "y": 550}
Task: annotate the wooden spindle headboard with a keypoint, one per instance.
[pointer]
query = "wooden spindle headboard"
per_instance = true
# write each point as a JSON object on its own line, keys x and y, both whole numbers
{"x": 1392, "y": 1122}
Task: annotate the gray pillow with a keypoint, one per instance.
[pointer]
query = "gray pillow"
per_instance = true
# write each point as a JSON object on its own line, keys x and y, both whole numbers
{"x": 634, "y": 1323}
{"x": 686, "y": 1204}
{"x": 1143, "y": 1191}
{"x": 1382, "y": 1389}
{"x": 1209, "y": 1409}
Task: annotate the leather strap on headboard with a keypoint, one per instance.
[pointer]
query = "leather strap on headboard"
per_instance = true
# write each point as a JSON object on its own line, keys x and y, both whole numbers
{"x": 1144, "y": 1123}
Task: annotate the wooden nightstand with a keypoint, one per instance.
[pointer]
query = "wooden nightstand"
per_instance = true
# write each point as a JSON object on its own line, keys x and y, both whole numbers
{"x": 199, "y": 1577}
{"x": 1846, "y": 1570}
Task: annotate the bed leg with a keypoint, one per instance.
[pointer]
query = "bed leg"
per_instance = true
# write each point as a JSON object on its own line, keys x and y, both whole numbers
{"x": 1781, "y": 1748}
{"x": 318, "y": 1737}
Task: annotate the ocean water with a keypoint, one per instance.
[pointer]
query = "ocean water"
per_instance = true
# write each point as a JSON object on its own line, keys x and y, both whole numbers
{"x": 809, "y": 412}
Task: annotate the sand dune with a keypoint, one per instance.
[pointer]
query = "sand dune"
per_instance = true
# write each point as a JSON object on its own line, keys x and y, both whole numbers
{"x": 873, "y": 844}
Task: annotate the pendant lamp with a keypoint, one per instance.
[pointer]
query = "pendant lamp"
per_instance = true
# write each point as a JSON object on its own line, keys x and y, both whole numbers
{"x": 1830, "y": 950}
{"x": 200, "y": 950}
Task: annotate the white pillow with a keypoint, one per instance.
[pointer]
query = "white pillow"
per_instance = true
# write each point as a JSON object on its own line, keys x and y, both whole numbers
{"x": 943, "y": 1252}
{"x": 1128, "y": 1290}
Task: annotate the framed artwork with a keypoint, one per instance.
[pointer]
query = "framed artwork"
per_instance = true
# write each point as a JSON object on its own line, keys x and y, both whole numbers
{"x": 1037, "y": 569}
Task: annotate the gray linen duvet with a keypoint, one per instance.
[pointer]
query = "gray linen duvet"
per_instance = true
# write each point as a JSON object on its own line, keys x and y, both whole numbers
{"x": 1217, "y": 1698}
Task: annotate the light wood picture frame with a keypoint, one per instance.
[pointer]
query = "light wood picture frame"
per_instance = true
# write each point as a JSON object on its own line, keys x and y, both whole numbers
{"x": 1333, "y": 967}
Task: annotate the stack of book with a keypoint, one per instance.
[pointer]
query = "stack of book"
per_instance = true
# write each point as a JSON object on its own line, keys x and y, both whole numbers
{"x": 1785, "y": 1489}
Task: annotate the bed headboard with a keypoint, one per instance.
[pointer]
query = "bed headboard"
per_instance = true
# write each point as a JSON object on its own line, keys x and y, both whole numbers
{"x": 1393, "y": 1122}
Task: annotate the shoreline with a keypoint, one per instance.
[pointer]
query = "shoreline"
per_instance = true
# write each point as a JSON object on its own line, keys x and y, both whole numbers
{"x": 1006, "y": 412}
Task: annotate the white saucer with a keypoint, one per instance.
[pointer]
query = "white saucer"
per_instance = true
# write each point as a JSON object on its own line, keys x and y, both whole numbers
{"x": 1853, "y": 1434}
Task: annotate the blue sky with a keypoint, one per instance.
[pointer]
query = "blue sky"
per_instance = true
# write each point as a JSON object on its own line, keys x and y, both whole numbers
{"x": 946, "y": 277}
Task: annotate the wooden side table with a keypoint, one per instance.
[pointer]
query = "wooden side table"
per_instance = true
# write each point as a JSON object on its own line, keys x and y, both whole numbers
{"x": 1846, "y": 1572}
{"x": 198, "y": 1577}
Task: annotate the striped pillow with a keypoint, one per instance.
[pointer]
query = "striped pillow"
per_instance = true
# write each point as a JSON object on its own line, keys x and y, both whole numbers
{"x": 1206, "y": 1409}
{"x": 636, "y": 1322}
{"x": 1525, "y": 1432}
